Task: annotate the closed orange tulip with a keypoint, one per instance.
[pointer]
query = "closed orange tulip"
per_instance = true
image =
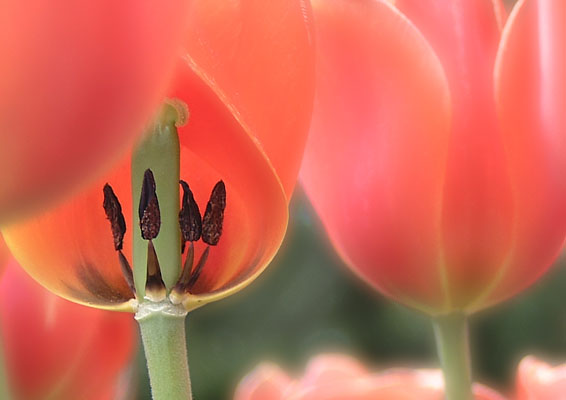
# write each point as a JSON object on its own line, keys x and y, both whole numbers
{"x": 436, "y": 154}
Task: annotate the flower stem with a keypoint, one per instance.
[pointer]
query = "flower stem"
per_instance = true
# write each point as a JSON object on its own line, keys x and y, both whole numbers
{"x": 162, "y": 327}
{"x": 451, "y": 333}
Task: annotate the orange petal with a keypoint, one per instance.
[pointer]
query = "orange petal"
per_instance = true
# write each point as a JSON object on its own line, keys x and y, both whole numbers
{"x": 216, "y": 145}
{"x": 4, "y": 254}
{"x": 477, "y": 217}
{"x": 375, "y": 160}
{"x": 56, "y": 349}
{"x": 78, "y": 83}
{"x": 70, "y": 250}
{"x": 259, "y": 57}
{"x": 530, "y": 80}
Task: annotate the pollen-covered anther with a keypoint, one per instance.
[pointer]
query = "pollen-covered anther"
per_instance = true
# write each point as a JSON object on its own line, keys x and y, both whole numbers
{"x": 114, "y": 214}
{"x": 214, "y": 215}
{"x": 190, "y": 220}
{"x": 155, "y": 289}
{"x": 150, "y": 218}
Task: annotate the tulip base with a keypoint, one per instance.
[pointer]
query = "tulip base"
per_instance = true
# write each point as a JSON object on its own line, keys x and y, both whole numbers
{"x": 451, "y": 332}
{"x": 162, "y": 327}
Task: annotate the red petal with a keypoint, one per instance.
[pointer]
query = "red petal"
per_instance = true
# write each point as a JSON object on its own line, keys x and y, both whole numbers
{"x": 78, "y": 82}
{"x": 259, "y": 57}
{"x": 57, "y": 349}
{"x": 531, "y": 98}
{"x": 375, "y": 160}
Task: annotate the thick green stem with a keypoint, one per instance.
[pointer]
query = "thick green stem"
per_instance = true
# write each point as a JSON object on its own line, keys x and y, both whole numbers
{"x": 160, "y": 153}
{"x": 162, "y": 327}
{"x": 451, "y": 333}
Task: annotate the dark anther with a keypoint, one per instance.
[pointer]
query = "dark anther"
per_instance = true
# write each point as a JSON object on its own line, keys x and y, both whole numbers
{"x": 154, "y": 287}
{"x": 214, "y": 215}
{"x": 189, "y": 217}
{"x": 113, "y": 211}
{"x": 150, "y": 219}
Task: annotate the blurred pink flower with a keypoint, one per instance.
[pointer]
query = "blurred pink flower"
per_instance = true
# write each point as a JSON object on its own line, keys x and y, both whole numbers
{"x": 536, "y": 380}
{"x": 55, "y": 349}
{"x": 340, "y": 377}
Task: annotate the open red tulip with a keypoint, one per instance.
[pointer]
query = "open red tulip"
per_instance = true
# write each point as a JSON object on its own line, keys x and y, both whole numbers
{"x": 78, "y": 83}
{"x": 537, "y": 380}
{"x": 246, "y": 76}
{"x": 55, "y": 349}
{"x": 340, "y": 377}
{"x": 436, "y": 154}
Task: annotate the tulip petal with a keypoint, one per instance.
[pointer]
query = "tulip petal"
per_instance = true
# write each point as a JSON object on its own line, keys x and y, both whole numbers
{"x": 538, "y": 380}
{"x": 477, "y": 204}
{"x": 260, "y": 54}
{"x": 530, "y": 78}
{"x": 78, "y": 82}
{"x": 56, "y": 349}
{"x": 376, "y": 153}
{"x": 265, "y": 382}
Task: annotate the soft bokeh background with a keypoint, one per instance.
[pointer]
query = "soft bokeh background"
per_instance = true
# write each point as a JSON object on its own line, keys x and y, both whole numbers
{"x": 307, "y": 302}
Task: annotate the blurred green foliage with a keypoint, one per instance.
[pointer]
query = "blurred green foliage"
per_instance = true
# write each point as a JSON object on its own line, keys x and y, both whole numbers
{"x": 307, "y": 302}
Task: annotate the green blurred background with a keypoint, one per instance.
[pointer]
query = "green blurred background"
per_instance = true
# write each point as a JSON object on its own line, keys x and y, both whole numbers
{"x": 308, "y": 302}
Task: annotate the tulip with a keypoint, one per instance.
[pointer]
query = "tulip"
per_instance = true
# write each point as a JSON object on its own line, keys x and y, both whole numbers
{"x": 55, "y": 349}
{"x": 245, "y": 83}
{"x": 536, "y": 380}
{"x": 78, "y": 83}
{"x": 436, "y": 153}
{"x": 435, "y": 158}
{"x": 340, "y": 377}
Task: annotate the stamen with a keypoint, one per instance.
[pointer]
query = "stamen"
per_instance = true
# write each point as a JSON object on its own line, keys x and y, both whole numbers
{"x": 127, "y": 271}
{"x": 181, "y": 286}
{"x": 155, "y": 289}
{"x": 214, "y": 215}
{"x": 150, "y": 219}
{"x": 188, "y": 278}
{"x": 114, "y": 214}
{"x": 196, "y": 274}
{"x": 189, "y": 217}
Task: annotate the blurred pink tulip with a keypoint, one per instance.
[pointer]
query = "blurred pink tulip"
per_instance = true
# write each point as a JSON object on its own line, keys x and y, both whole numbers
{"x": 55, "y": 349}
{"x": 436, "y": 152}
{"x": 536, "y": 380}
{"x": 340, "y": 377}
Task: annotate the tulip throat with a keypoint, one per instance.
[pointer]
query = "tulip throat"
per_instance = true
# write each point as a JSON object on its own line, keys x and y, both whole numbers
{"x": 154, "y": 215}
